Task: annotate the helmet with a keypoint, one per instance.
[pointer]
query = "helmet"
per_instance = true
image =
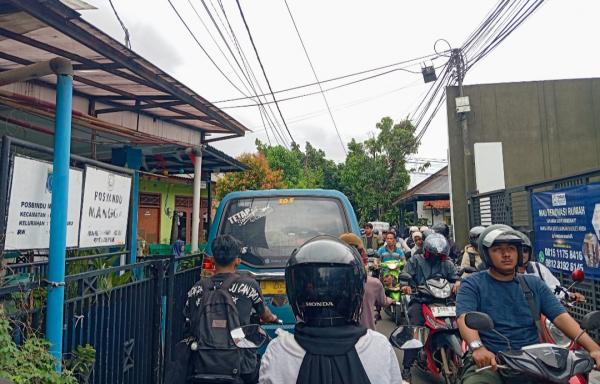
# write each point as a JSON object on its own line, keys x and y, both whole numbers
{"x": 413, "y": 229}
{"x": 424, "y": 228}
{"x": 325, "y": 282}
{"x": 442, "y": 229}
{"x": 474, "y": 234}
{"x": 426, "y": 232}
{"x": 436, "y": 245}
{"x": 496, "y": 234}
{"x": 526, "y": 244}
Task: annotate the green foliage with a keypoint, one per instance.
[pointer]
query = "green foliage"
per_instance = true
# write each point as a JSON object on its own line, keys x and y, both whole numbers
{"x": 31, "y": 363}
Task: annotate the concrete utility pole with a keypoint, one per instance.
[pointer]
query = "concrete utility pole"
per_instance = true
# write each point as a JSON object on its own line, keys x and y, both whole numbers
{"x": 457, "y": 61}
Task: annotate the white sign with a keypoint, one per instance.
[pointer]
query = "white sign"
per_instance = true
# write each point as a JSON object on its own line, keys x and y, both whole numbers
{"x": 105, "y": 208}
{"x": 489, "y": 167}
{"x": 28, "y": 224}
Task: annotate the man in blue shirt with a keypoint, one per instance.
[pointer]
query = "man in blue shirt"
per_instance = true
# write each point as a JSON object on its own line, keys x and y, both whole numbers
{"x": 497, "y": 292}
{"x": 390, "y": 251}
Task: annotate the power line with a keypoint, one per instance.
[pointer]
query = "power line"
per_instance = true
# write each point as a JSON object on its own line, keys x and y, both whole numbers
{"x": 263, "y": 69}
{"x": 432, "y": 56}
{"x": 258, "y": 100}
{"x": 316, "y": 78}
{"x": 204, "y": 50}
{"x": 125, "y": 30}
{"x": 275, "y": 126}
{"x": 317, "y": 92}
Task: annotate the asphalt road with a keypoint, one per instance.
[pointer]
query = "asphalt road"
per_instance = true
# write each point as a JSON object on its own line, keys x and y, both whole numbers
{"x": 386, "y": 326}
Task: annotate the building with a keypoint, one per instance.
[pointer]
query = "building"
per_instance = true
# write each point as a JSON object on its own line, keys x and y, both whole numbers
{"x": 428, "y": 202}
{"x": 126, "y": 112}
{"x": 519, "y": 134}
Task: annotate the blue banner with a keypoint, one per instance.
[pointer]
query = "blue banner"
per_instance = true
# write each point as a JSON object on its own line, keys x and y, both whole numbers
{"x": 567, "y": 226}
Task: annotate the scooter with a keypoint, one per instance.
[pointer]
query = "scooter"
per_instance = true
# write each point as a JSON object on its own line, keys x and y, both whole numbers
{"x": 371, "y": 256}
{"x": 544, "y": 363}
{"x": 390, "y": 272}
{"x": 438, "y": 342}
{"x": 550, "y": 333}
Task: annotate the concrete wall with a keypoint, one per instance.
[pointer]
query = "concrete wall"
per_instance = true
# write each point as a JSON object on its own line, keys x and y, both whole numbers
{"x": 547, "y": 128}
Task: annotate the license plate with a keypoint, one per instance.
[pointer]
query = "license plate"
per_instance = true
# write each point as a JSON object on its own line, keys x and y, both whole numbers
{"x": 443, "y": 311}
{"x": 272, "y": 287}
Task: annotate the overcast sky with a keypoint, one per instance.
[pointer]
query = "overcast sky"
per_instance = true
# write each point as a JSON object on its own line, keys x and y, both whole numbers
{"x": 342, "y": 37}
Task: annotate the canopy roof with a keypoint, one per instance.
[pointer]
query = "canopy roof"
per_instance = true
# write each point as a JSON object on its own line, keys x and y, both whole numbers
{"x": 435, "y": 187}
{"x": 106, "y": 71}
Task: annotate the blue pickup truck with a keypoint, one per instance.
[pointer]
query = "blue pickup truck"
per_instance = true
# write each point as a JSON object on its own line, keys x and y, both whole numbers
{"x": 271, "y": 224}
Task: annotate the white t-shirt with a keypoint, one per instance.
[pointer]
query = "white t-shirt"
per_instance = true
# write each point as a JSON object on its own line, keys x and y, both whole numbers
{"x": 282, "y": 360}
{"x": 541, "y": 271}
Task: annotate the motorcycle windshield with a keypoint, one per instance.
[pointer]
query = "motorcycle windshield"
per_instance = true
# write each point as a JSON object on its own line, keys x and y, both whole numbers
{"x": 271, "y": 228}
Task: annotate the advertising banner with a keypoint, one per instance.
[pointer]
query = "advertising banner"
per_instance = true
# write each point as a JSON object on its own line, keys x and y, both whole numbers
{"x": 567, "y": 228}
{"x": 28, "y": 223}
{"x": 105, "y": 208}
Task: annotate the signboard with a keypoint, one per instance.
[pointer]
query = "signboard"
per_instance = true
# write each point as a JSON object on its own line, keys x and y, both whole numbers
{"x": 567, "y": 228}
{"x": 105, "y": 208}
{"x": 28, "y": 223}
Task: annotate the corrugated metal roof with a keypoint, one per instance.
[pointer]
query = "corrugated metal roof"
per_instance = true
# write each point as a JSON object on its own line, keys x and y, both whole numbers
{"x": 105, "y": 70}
{"x": 435, "y": 186}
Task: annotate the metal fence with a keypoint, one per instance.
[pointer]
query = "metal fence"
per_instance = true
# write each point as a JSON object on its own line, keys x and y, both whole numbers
{"x": 512, "y": 206}
{"x": 119, "y": 310}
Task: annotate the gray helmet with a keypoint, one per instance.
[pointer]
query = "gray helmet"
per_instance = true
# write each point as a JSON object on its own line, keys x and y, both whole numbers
{"x": 496, "y": 234}
{"x": 474, "y": 234}
{"x": 436, "y": 246}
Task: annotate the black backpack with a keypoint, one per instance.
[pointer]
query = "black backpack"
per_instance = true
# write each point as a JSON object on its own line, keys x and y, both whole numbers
{"x": 212, "y": 319}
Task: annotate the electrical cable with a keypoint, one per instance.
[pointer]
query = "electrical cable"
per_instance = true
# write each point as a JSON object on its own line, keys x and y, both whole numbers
{"x": 263, "y": 69}
{"x": 125, "y": 30}
{"x": 337, "y": 131}
{"x": 204, "y": 50}
{"x": 432, "y": 56}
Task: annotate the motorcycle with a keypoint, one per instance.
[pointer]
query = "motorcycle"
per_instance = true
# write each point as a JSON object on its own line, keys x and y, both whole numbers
{"x": 438, "y": 342}
{"x": 390, "y": 272}
{"x": 371, "y": 256}
{"x": 544, "y": 363}
{"x": 550, "y": 333}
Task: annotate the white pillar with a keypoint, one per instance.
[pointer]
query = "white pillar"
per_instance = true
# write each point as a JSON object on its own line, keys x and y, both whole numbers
{"x": 196, "y": 200}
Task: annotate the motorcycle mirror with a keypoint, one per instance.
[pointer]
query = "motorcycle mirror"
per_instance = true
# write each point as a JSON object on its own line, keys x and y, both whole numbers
{"x": 409, "y": 337}
{"x": 249, "y": 336}
{"x": 404, "y": 276}
{"x": 479, "y": 321}
{"x": 591, "y": 321}
{"x": 578, "y": 275}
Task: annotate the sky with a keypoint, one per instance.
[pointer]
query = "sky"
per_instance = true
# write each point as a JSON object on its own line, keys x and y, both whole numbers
{"x": 343, "y": 37}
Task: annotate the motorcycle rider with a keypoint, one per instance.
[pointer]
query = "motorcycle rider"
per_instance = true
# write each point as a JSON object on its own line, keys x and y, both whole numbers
{"x": 374, "y": 291}
{"x": 325, "y": 280}
{"x": 245, "y": 292}
{"x": 390, "y": 250}
{"x": 530, "y": 267}
{"x": 369, "y": 239}
{"x": 470, "y": 256}
{"x": 409, "y": 239}
{"x": 444, "y": 230}
{"x": 418, "y": 240}
{"x": 498, "y": 292}
{"x": 433, "y": 261}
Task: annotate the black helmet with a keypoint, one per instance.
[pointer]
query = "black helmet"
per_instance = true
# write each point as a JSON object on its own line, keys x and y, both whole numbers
{"x": 436, "y": 246}
{"x": 496, "y": 234}
{"x": 442, "y": 228}
{"x": 474, "y": 234}
{"x": 325, "y": 281}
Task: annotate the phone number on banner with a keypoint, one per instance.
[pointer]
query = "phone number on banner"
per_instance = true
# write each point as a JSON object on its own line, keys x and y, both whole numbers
{"x": 564, "y": 265}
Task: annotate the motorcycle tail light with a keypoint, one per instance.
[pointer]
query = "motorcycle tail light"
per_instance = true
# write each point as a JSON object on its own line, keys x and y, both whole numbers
{"x": 208, "y": 266}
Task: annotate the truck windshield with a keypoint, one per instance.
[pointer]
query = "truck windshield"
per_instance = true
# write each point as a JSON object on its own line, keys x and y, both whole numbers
{"x": 270, "y": 228}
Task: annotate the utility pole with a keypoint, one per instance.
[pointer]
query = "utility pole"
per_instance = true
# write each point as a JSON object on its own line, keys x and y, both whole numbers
{"x": 462, "y": 108}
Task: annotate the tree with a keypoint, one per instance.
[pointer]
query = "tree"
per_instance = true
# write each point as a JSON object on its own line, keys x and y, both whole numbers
{"x": 375, "y": 172}
{"x": 258, "y": 176}
{"x": 308, "y": 169}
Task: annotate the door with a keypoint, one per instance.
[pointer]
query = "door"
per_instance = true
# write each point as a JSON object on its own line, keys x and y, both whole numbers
{"x": 149, "y": 217}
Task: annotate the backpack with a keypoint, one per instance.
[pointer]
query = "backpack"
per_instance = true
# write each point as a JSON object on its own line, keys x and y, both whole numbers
{"x": 212, "y": 319}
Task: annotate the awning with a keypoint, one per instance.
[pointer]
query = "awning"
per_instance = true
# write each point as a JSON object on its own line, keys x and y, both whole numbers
{"x": 108, "y": 74}
{"x": 437, "y": 204}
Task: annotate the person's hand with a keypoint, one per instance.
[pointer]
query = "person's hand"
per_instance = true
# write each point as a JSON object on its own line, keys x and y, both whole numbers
{"x": 596, "y": 356}
{"x": 576, "y": 296}
{"x": 407, "y": 290}
{"x": 482, "y": 357}
{"x": 455, "y": 287}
